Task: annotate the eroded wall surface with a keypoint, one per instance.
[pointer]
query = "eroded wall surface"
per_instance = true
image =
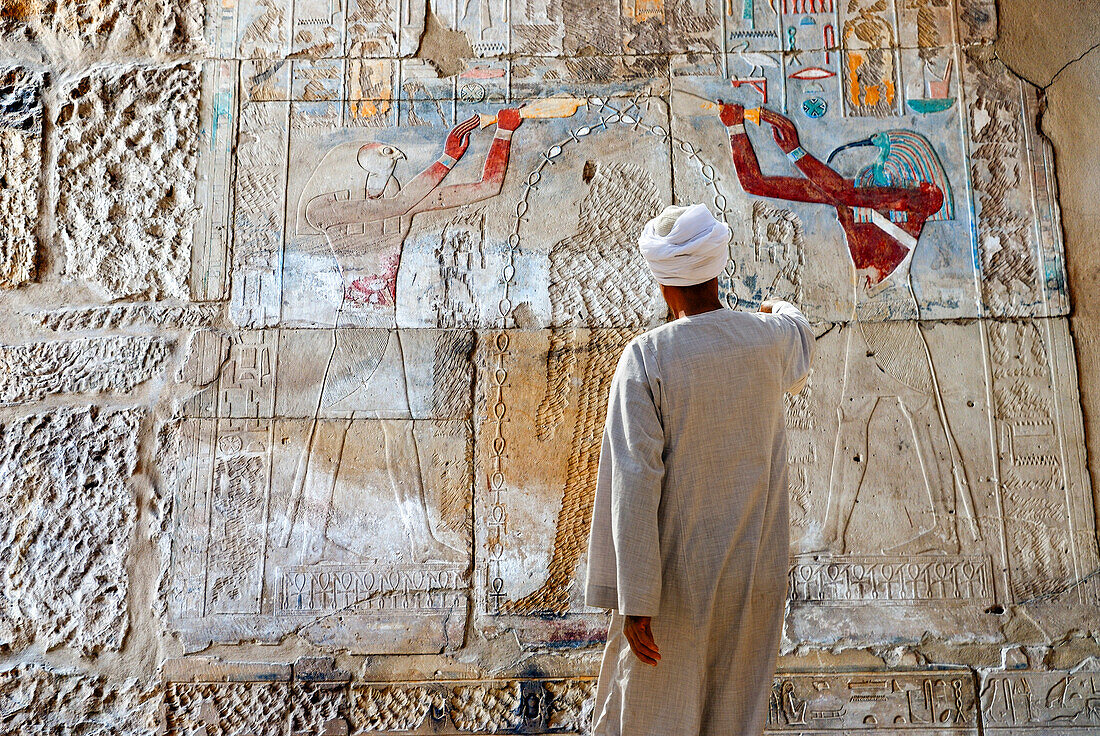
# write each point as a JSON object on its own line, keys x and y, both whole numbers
{"x": 313, "y": 306}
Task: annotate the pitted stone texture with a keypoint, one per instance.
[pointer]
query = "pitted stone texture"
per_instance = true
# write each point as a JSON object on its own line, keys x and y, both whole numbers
{"x": 20, "y": 159}
{"x": 114, "y": 316}
{"x": 65, "y": 534}
{"x": 71, "y": 28}
{"x": 40, "y": 700}
{"x": 126, "y": 176}
{"x": 116, "y": 364}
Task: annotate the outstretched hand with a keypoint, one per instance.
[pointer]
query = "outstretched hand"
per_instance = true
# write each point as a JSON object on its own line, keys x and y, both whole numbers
{"x": 640, "y": 635}
{"x": 731, "y": 113}
{"x": 508, "y": 119}
{"x": 786, "y": 135}
{"x": 459, "y": 138}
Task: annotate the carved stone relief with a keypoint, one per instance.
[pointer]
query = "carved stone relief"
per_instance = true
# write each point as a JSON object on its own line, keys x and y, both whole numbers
{"x": 315, "y": 305}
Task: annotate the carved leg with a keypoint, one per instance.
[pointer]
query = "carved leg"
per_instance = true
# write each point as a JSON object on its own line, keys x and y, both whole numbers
{"x": 403, "y": 465}
{"x": 317, "y": 473}
{"x": 934, "y": 452}
{"x": 848, "y": 469}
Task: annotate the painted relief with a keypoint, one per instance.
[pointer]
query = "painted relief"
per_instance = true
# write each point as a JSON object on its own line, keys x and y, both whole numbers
{"x": 433, "y": 277}
{"x": 314, "y": 307}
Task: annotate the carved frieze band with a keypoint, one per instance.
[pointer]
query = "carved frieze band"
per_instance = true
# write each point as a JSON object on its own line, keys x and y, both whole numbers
{"x": 852, "y": 579}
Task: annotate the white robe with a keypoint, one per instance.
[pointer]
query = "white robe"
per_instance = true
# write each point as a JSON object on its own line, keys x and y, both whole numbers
{"x": 690, "y": 521}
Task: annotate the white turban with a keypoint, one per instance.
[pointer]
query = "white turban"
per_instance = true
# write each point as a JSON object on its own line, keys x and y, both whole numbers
{"x": 685, "y": 246}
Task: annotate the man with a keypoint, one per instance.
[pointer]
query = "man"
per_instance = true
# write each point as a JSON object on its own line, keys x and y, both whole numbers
{"x": 689, "y": 536}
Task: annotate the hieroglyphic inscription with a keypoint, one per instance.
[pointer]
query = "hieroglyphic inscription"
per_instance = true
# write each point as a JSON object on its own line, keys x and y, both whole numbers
{"x": 872, "y": 579}
{"x": 1048, "y": 703}
{"x": 922, "y": 703}
{"x": 1050, "y": 536}
{"x": 331, "y": 588}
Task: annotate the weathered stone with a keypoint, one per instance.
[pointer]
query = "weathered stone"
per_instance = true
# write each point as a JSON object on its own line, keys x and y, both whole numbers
{"x": 116, "y": 365}
{"x": 69, "y": 28}
{"x": 116, "y": 316}
{"x": 1030, "y": 702}
{"x": 67, "y": 529}
{"x": 20, "y": 159}
{"x": 125, "y": 178}
{"x": 39, "y": 699}
{"x": 364, "y": 359}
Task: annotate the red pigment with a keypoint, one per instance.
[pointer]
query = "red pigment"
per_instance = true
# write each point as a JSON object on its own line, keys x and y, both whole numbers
{"x": 377, "y": 288}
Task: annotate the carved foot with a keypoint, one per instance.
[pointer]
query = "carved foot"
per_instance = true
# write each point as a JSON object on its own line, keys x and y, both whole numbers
{"x": 938, "y": 540}
{"x": 436, "y": 551}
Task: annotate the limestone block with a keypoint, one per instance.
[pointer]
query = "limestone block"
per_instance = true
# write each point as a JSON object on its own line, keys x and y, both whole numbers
{"x": 1018, "y": 228}
{"x": 68, "y": 528}
{"x": 342, "y": 373}
{"x": 1014, "y": 703}
{"x": 542, "y": 399}
{"x": 523, "y": 705}
{"x": 125, "y": 177}
{"x": 118, "y": 316}
{"x": 330, "y": 529}
{"x": 865, "y": 499}
{"x": 770, "y": 248}
{"x": 328, "y": 493}
{"x": 904, "y": 517}
{"x": 470, "y": 253}
{"x": 71, "y": 29}
{"x": 274, "y": 28}
{"x": 40, "y": 699}
{"x": 32, "y": 371}
{"x": 20, "y": 159}
{"x": 930, "y": 703}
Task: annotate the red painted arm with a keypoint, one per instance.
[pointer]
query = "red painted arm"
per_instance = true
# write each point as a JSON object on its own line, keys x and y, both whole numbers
{"x": 925, "y": 199}
{"x": 793, "y": 188}
{"x": 492, "y": 179}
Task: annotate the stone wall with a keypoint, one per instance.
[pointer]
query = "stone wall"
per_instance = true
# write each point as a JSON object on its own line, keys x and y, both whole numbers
{"x": 298, "y": 426}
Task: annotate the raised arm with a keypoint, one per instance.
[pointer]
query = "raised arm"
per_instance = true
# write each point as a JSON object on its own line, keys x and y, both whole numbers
{"x": 338, "y": 208}
{"x": 492, "y": 176}
{"x": 926, "y": 198}
{"x": 792, "y": 188}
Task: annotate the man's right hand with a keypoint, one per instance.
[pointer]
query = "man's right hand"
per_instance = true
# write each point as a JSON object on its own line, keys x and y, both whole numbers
{"x": 766, "y": 306}
{"x": 640, "y": 635}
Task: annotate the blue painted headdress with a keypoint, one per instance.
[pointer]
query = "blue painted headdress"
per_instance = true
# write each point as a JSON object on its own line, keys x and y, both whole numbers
{"x": 905, "y": 159}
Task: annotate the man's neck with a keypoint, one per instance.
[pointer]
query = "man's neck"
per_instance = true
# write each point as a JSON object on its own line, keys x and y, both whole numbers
{"x": 687, "y": 301}
{"x": 690, "y": 310}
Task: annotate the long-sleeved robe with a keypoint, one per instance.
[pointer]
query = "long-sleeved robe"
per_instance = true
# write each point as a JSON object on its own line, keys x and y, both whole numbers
{"x": 690, "y": 521}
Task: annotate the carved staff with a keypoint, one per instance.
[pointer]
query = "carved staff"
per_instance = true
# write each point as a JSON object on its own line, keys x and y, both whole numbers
{"x": 551, "y": 107}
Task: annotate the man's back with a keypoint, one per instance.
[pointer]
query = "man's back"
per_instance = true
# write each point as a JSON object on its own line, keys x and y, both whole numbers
{"x": 690, "y": 523}
{"x": 723, "y": 375}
